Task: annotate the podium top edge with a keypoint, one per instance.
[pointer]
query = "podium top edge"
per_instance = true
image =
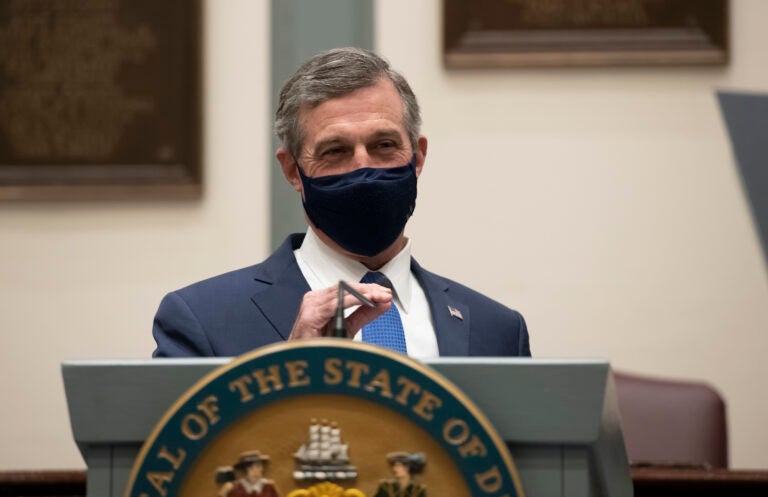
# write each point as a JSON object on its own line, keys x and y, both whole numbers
{"x": 149, "y": 361}
{"x": 217, "y": 361}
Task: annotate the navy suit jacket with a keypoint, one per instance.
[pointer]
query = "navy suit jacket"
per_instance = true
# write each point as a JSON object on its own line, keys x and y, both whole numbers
{"x": 236, "y": 312}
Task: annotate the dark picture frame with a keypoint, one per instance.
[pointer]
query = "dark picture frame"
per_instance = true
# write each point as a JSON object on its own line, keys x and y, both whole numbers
{"x": 100, "y": 100}
{"x": 562, "y": 33}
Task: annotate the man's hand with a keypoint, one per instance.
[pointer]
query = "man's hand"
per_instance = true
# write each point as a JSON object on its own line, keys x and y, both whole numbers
{"x": 318, "y": 309}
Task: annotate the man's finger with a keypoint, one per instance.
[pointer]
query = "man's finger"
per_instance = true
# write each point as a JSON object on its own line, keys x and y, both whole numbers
{"x": 318, "y": 309}
{"x": 365, "y": 315}
{"x": 371, "y": 291}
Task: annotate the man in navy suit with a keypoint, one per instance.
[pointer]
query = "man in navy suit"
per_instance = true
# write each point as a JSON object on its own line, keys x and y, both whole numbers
{"x": 352, "y": 149}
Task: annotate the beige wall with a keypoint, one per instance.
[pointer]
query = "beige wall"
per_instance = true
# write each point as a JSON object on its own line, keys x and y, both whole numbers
{"x": 82, "y": 281}
{"x": 609, "y": 197}
{"x": 611, "y": 203}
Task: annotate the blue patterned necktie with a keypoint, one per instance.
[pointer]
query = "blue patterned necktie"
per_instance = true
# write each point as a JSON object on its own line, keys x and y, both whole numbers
{"x": 386, "y": 330}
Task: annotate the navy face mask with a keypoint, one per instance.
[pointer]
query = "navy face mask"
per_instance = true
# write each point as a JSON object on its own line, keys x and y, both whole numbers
{"x": 365, "y": 210}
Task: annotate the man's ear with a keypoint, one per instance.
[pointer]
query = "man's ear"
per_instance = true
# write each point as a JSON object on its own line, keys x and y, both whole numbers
{"x": 290, "y": 169}
{"x": 421, "y": 154}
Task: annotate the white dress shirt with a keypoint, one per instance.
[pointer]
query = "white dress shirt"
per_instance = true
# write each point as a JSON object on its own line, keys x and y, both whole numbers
{"x": 323, "y": 267}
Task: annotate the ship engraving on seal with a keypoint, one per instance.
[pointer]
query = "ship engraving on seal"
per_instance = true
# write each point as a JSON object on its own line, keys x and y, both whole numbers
{"x": 323, "y": 456}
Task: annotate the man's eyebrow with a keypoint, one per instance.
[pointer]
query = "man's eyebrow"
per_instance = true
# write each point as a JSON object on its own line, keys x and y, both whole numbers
{"x": 335, "y": 140}
{"x": 387, "y": 133}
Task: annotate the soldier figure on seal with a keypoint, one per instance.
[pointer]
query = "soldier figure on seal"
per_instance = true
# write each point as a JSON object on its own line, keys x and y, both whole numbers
{"x": 253, "y": 484}
{"x": 404, "y": 466}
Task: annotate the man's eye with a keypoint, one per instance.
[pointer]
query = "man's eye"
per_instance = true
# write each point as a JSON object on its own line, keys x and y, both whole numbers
{"x": 387, "y": 144}
{"x": 333, "y": 151}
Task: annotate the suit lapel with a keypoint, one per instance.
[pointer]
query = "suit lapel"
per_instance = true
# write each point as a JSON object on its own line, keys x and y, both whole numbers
{"x": 450, "y": 317}
{"x": 285, "y": 287}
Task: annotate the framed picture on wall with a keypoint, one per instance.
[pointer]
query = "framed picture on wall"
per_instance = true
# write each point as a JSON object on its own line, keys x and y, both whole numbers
{"x": 100, "y": 99}
{"x": 558, "y": 33}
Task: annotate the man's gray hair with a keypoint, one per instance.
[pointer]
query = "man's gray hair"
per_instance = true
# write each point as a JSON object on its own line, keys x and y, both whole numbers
{"x": 334, "y": 74}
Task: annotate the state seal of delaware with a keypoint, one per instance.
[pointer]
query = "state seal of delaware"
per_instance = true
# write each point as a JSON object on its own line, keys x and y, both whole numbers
{"x": 323, "y": 418}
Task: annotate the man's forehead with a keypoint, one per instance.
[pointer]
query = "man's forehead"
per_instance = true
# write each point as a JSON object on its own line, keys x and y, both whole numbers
{"x": 379, "y": 104}
{"x": 382, "y": 92}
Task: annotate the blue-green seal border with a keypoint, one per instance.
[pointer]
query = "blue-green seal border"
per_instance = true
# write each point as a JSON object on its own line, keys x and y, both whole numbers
{"x": 455, "y": 404}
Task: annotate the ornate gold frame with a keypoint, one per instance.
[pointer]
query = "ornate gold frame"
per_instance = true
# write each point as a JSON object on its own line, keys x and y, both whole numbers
{"x": 100, "y": 100}
{"x": 561, "y": 33}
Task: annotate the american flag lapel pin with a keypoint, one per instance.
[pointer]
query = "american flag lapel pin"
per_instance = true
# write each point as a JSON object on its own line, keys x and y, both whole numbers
{"x": 455, "y": 313}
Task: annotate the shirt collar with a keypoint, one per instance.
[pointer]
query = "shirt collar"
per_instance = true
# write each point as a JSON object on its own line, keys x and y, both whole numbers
{"x": 328, "y": 267}
{"x": 252, "y": 487}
